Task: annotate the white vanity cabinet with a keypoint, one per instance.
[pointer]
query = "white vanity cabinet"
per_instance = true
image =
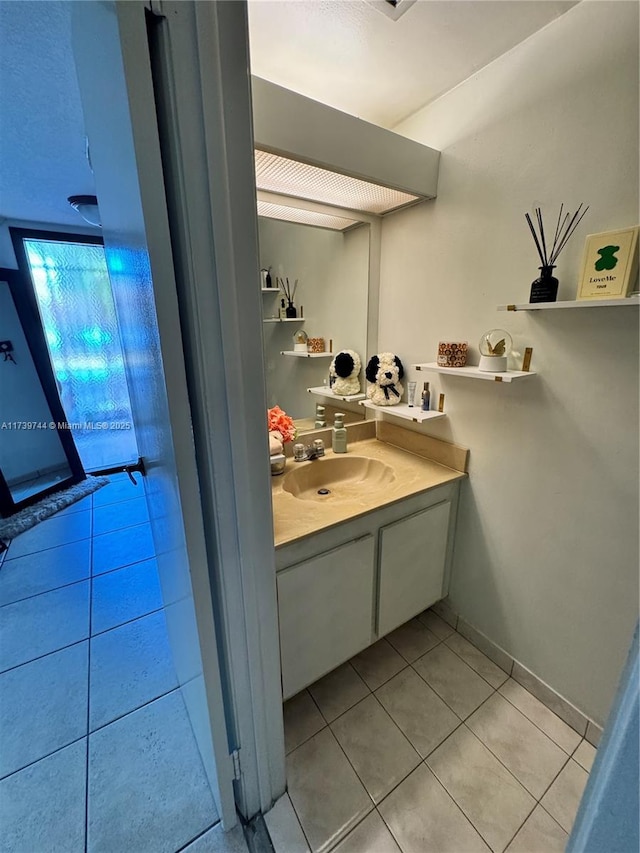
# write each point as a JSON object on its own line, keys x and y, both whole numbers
{"x": 343, "y": 588}
{"x": 331, "y": 593}
{"x": 412, "y": 561}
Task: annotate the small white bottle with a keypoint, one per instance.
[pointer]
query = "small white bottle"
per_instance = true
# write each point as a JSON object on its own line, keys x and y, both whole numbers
{"x": 339, "y": 434}
{"x": 320, "y": 421}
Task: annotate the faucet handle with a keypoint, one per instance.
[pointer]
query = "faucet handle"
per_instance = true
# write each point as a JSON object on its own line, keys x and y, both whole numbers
{"x": 299, "y": 452}
{"x": 318, "y": 447}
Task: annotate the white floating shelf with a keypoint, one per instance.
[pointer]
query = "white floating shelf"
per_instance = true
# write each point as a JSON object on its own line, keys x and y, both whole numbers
{"x": 325, "y": 391}
{"x": 283, "y": 320}
{"x": 270, "y": 289}
{"x": 475, "y": 373}
{"x": 404, "y": 411}
{"x": 576, "y": 303}
{"x": 307, "y": 354}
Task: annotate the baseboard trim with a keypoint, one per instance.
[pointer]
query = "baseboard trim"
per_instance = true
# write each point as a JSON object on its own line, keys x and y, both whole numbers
{"x": 571, "y": 715}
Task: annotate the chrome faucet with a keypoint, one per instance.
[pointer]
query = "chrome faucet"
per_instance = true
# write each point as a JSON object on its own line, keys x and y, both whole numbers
{"x": 307, "y": 454}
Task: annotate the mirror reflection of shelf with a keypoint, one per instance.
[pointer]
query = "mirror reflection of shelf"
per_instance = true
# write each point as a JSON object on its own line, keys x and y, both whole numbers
{"x": 307, "y": 354}
{"x": 576, "y": 303}
{"x": 325, "y": 391}
{"x": 475, "y": 373}
{"x": 404, "y": 411}
{"x": 283, "y": 320}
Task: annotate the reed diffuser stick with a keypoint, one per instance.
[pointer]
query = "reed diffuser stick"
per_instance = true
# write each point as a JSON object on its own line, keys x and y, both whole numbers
{"x": 565, "y": 227}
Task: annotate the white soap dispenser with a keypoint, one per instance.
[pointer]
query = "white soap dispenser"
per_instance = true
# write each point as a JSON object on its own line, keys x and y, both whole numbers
{"x": 339, "y": 435}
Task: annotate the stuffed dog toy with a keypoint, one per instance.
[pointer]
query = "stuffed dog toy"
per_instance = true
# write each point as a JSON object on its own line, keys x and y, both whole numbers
{"x": 384, "y": 374}
{"x": 344, "y": 373}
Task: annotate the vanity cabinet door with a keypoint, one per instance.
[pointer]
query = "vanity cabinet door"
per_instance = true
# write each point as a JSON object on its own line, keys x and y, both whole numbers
{"x": 412, "y": 561}
{"x": 325, "y": 607}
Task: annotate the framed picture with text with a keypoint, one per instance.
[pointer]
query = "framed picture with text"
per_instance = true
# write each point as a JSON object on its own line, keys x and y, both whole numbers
{"x": 610, "y": 265}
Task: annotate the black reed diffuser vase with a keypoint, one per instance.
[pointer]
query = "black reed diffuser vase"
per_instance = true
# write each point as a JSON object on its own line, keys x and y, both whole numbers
{"x": 289, "y": 293}
{"x": 545, "y": 288}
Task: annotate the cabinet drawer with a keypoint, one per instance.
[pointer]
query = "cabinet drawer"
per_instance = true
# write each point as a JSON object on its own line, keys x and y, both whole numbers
{"x": 325, "y": 607}
{"x": 412, "y": 562}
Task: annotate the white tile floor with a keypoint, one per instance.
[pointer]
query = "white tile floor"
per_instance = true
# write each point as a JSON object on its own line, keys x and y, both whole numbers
{"x": 421, "y": 744}
{"x": 97, "y": 749}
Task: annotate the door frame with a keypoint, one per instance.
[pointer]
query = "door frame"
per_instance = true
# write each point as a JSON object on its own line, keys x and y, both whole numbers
{"x": 224, "y": 484}
{"x": 200, "y": 61}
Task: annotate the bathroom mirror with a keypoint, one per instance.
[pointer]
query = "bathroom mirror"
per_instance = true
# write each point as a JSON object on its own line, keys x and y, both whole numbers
{"x": 333, "y": 273}
{"x": 36, "y": 457}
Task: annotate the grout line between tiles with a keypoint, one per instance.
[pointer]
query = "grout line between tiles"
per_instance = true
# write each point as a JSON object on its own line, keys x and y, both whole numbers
{"x": 548, "y": 813}
{"x": 497, "y": 757}
{"x": 45, "y": 591}
{"x": 521, "y": 825}
{"x": 84, "y": 639}
{"x": 46, "y": 654}
{"x": 308, "y": 689}
{"x": 49, "y": 548}
{"x": 199, "y": 835}
{"x": 86, "y": 780}
{"x": 82, "y": 580}
{"x": 546, "y": 790}
{"x": 397, "y": 785}
{"x": 344, "y": 837}
{"x": 533, "y": 723}
{"x": 87, "y": 736}
{"x": 373, "y": 805}
{"x": 431, "y": 687}
{"x": 451, "y": 797}
{"x": 106, "y": 504}
{"x": 133, "y": 710}
{"x": 42, "y": 757}
{"x": 299, "y": 821}
{"x": 401, "y": 732}
{"x": 118, "y": 568}
{"x": 535, "y": 799}
{"x": 469, "y": 665}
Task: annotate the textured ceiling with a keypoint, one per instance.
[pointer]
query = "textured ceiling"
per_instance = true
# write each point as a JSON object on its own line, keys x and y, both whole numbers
{"x": 42, "y": 147}
{"x": 342, "y": 52}
{"x": 347, "y": 54}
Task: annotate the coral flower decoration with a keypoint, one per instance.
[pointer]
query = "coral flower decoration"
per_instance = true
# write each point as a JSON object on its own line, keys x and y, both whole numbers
{"x": 279, "y": 421}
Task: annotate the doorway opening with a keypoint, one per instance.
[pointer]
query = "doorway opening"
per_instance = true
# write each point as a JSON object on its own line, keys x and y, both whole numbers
{"x": 72, "y": 291}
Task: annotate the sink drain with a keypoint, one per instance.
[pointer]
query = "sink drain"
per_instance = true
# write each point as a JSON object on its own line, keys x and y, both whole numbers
{"x": 324, "y": 491}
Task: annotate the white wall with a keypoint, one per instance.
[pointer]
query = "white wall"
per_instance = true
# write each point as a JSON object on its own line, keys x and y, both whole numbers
{"x": 23, "y": 452}
{"x": 546, "y": 561}
{"x": 333, "y": 272}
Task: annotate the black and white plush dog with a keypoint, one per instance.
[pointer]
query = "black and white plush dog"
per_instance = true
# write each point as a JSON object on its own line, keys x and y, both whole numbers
{"x": 384, "y": 374}
{"x": 344, "y": 373}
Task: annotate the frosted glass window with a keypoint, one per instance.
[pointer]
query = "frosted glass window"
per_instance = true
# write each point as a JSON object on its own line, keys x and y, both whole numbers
{"x": 76, "y": 304}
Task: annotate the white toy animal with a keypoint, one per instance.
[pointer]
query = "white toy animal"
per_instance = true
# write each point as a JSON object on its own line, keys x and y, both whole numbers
{"x": 384, "y": 374}
{"x": 344, "y": 373}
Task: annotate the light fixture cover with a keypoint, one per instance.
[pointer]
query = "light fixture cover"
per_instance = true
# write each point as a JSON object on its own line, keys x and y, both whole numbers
{"x": 302, "y": 216}
{"x": 87, "y": 207}
{"x": 312, "y": 151}
{"x": 278, "y": 174}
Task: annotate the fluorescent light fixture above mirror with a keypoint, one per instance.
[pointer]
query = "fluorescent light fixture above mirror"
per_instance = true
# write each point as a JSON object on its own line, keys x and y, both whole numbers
{"x": 308, "y": 150}
{"x": 303, "y": 216}
{"x": 289, "y": 177}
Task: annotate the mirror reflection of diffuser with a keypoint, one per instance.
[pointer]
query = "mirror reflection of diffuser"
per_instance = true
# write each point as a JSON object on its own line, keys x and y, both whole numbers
{"x": 495, "y": 345}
